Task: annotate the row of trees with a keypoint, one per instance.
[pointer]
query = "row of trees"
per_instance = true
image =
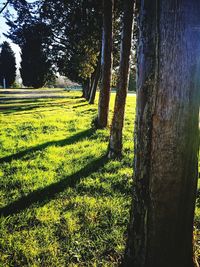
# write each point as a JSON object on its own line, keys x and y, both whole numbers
{"x": 50, "y": 45}
{"x": 70, "y": 45}
{"x": 30, "y": 34}
{"x": 75, "y": 46}
{"x": 167, "y": 127}
{"x": 34, "y": 70}
{"x": 65, "y": 37}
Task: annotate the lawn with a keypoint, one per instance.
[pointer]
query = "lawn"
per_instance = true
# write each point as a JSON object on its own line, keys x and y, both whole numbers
{"x": 62, "y": 202}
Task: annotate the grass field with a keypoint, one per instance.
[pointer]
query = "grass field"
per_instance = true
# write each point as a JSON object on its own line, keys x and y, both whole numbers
{"x": 62, "y": 202}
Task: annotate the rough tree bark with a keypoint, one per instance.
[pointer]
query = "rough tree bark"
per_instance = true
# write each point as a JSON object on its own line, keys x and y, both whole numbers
{"x": 166, "y": 135}
{"x": 115, "y": 144}
{"x": 106, "y": 63}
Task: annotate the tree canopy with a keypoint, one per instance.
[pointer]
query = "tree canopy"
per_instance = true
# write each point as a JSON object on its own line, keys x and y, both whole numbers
{"x": 7, "y": 65}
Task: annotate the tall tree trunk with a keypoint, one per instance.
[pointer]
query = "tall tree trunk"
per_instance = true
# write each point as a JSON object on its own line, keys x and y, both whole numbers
{"x": 95, "y": 82}
{"x": 85, "y": 88}
{"x": 88, "y": 88}
{"x": 106, "y": 63}
{"x": 92, "y": 81}
{"x": 166, "y": 135}
{"x": 115, "y": 145}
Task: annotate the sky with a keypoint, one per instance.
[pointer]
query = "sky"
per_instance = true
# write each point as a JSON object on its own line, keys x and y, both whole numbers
{"x": 4, "y": 28}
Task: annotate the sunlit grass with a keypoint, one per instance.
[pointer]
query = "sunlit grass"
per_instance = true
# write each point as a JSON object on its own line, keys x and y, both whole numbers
{"x": 64, "y": 203}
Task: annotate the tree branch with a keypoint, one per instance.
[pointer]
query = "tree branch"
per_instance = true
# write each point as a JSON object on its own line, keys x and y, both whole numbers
{"x": 5, "y": 5}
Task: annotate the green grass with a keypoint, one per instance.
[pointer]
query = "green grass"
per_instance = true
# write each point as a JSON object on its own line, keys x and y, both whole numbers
{"x": 63, "y": 202}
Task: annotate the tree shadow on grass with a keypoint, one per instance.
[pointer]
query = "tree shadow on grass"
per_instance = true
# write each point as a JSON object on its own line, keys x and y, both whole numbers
{"x": 39, "y": 104}
{"x": 32, "y": 91}
{"x": 9, "y": 110}
{"x": 43, "y": 195}
{"x": 81, "y": 105}
{"x": 9, "y": 98}
{"x": 25, "y": 101}
{"x": 63, "y": 142}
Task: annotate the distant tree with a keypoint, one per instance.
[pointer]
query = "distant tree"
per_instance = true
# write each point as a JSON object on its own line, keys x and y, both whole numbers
{"x": 75, "y": 38}
{"x": 115, "y": 144}
{"x": 166, "y": 135}
{"x": 132, "y": 81}
{"x": 62, "y": 82}
{"x": 33, "y": 37}
{"x": 79, "y": 65}
{"x": 106, "y": 64}
{"x": 76, "y": 42}
{"x": 36, "y": 67}
{"x": 117, "y": 16}
{"x": 7, "y": 65}
{"x": 95, "y": 81}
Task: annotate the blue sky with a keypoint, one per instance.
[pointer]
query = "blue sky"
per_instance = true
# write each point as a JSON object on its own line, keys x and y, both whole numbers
{"x": 4, "y": 28}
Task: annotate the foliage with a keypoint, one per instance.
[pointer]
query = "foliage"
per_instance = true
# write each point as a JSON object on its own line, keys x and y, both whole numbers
{"x": 73, "y": 34}
{"x": 35, "y": 65}
{"x": 33, "y": 36}
{"x": 77, "y": 36}
{"x": 7, "y": 65}
{"x": 76, "y": 27}
{"x": 16, "y": 85}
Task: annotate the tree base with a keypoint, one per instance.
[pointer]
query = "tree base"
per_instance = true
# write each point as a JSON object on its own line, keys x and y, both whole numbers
{"x": 113, "y": 154}
{"x": 95, "y": 124}
{"x": 91, "y": 102}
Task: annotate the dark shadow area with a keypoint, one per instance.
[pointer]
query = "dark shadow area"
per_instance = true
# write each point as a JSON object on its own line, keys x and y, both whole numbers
{"x": 36, "y": 97}
{"x": 32, "y": 101}
{"x": 68, "y": 141}
{"x": 9, "y": 110}
{"x": 43, "y": 195}
{"x": 31, "y": 92}
{"x": 21, "y": 88}
{"x": 34, "y": 112}
{"x": 88, "y": 110}
{"x": 25, "y": 101}
{"x": 81, "y": 105}
{"x": 21, "y": 108}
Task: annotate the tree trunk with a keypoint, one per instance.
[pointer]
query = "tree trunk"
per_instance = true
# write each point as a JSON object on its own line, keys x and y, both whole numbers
{"x": 88, "y": 88}
{"x": 115, "y": 145}
{"x": 166, "y": 135}
{"x": 95, "y": 82}
{"x": 106, "y": 63}
{"x": 91, "y": 84}
{"x": 85, "y": 88}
